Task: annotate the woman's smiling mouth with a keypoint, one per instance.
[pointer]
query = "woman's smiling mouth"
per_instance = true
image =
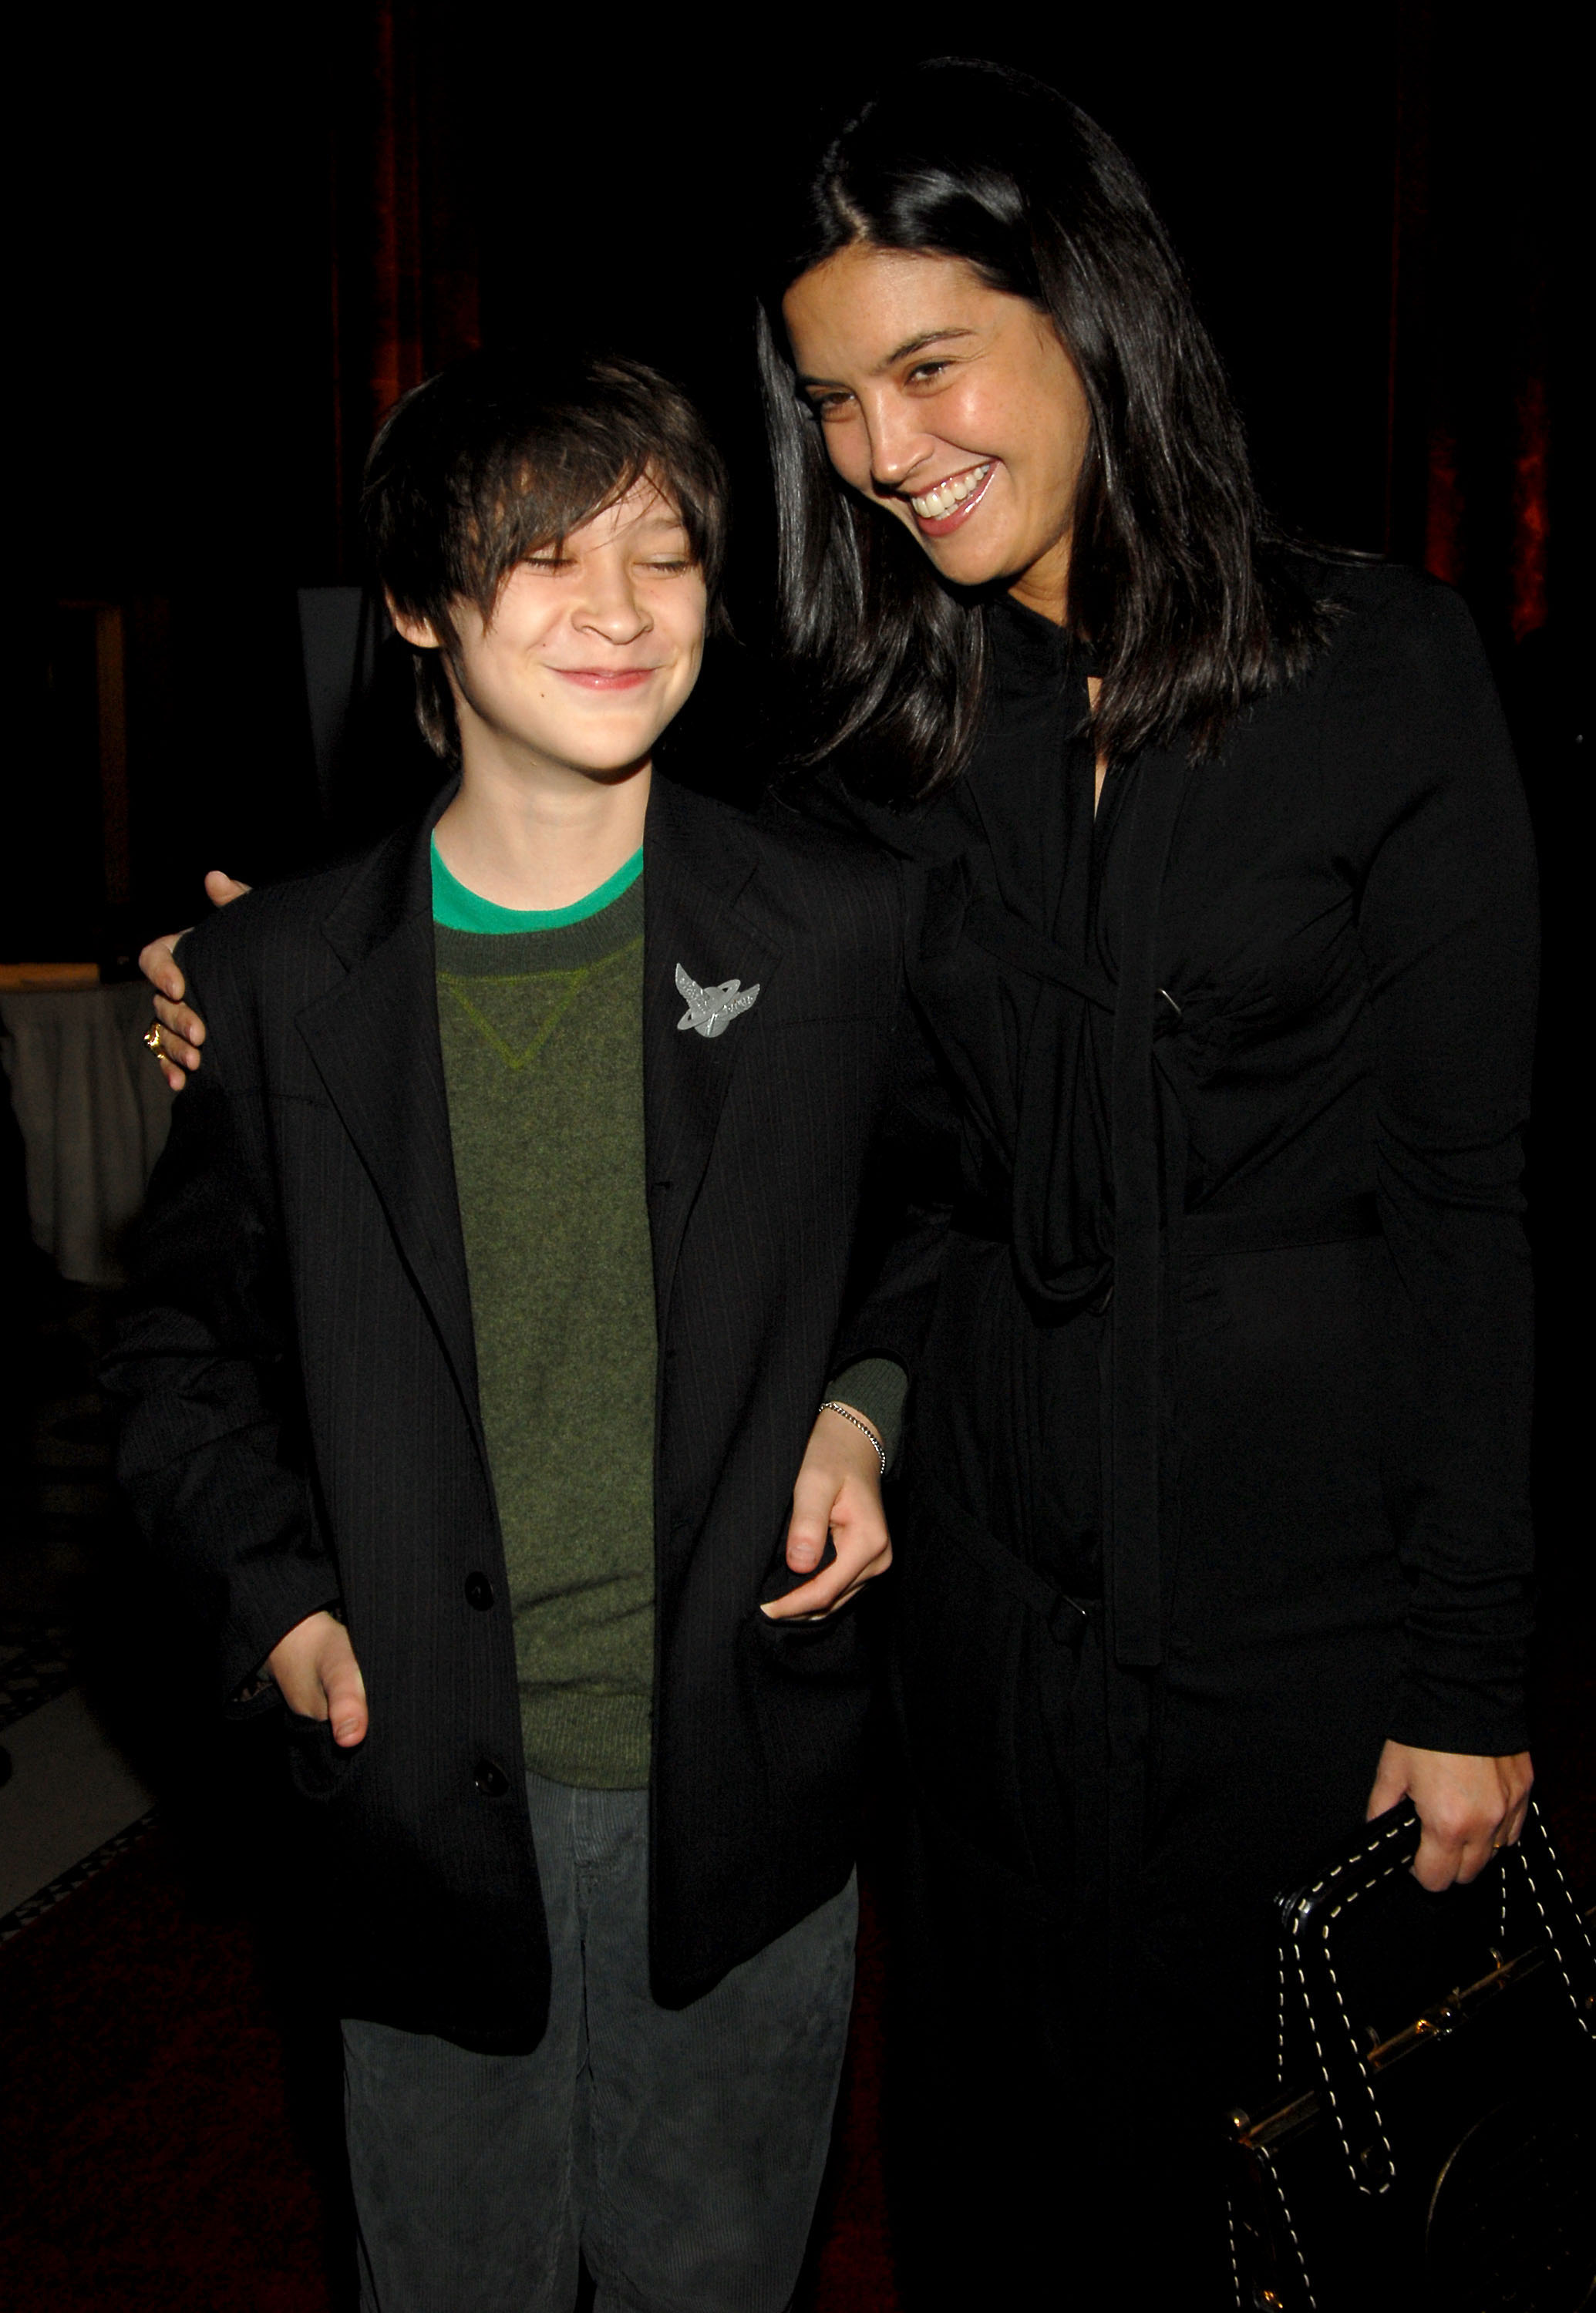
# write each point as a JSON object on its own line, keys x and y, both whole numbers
{"x": 950, "y": 502}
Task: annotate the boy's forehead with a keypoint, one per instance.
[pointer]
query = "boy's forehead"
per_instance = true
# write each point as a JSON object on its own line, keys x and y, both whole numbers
{"x": 647, "y": 506}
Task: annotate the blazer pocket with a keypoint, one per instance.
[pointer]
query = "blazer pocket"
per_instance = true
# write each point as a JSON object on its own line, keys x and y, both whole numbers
{"x": 836, "y": 1651}
{"x": 318, "y": 1768}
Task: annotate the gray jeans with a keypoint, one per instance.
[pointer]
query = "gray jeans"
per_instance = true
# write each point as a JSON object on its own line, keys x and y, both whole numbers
{"x": 679, "y": 2150}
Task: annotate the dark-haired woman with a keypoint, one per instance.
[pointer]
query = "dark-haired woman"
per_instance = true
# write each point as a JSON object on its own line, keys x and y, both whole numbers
{"x": 1213, "y": 1536}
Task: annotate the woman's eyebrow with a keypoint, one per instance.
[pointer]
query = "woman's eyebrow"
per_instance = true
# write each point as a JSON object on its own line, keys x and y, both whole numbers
{"x": 915, "y": 344}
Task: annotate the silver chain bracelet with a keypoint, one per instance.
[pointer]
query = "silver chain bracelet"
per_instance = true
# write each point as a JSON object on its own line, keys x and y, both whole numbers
{"x": 830, "y": 1406}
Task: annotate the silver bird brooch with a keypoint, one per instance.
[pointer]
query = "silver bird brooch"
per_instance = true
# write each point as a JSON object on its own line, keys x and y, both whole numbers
{"x": 709, "y": 1009}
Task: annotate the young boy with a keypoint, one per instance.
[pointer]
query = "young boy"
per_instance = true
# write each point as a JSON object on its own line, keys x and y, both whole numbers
{"x": 491, "y": 1281}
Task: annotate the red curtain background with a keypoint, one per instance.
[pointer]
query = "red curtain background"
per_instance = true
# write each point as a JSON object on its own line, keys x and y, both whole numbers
{"x": 246, "y": 252}
{"x": 1476, "y": 216}
{"x": 402, "y": 256}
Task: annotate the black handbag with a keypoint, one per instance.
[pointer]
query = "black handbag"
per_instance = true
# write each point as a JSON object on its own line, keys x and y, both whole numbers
{"x": 1449, "y": 2164}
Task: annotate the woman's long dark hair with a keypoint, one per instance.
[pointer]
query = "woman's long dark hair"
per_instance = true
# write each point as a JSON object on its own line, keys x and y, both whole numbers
{"x": 1175, "y": 576}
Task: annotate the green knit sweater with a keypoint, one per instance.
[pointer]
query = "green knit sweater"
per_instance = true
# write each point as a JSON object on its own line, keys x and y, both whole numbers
{"x": 542, "y": 1035}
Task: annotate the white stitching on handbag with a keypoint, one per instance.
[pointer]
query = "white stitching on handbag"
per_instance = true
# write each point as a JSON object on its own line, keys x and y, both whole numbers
{"x": 1235, "y": 2260}
{"x": 1372, "y": 2191}
{"x": 1395, "y": 1831}
{"x": 1583, "y": 2021}
{"x": 1268, "y": 2159}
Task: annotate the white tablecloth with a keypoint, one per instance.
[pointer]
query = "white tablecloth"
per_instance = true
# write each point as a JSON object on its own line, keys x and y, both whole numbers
{"x": 93, "y": 1107}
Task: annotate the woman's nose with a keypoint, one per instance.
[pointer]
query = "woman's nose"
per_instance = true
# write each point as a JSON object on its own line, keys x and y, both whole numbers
{"x": 898, "y": 441}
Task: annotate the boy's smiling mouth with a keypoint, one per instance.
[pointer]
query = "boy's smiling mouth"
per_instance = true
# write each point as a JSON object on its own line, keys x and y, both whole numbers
{"x": 951, "y": 501}
{"x": 606, "y": 678}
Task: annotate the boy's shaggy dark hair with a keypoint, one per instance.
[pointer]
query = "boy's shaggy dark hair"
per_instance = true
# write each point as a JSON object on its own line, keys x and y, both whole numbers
{"x": 499, "y": 457}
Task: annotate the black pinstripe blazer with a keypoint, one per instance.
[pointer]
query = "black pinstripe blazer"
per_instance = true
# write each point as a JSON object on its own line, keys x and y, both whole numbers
{"x": 301, "y": 1420}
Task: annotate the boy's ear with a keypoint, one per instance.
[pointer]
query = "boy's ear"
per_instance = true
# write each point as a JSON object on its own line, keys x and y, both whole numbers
{"x": 419, "y": 633}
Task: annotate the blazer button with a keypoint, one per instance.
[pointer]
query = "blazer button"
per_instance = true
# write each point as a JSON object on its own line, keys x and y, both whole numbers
{"x": 479, "y": 1591}
{"x": 491, "y": 1780}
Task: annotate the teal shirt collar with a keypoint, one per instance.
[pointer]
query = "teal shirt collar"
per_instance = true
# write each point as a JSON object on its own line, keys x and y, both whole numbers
{"x": 463, "y": 911}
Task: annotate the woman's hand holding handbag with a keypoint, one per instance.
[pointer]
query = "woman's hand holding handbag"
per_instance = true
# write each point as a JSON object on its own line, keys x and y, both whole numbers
{"x": 1449, "y": 2165}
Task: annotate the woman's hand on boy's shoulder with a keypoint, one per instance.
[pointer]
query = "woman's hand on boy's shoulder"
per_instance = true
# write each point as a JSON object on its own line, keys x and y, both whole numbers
{"x": 838, "y": 1491}
{"x": 180, "y": 1029}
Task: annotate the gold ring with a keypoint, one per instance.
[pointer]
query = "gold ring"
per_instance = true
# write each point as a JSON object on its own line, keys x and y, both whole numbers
{"x": 151, "y": 1037}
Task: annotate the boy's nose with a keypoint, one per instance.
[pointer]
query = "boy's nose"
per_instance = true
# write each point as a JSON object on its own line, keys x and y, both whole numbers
{"x": 614, "y": 611}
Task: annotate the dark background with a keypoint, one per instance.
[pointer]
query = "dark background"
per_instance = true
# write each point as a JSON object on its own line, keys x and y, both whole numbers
{"x": 239, "y": 235}
{"x": 248, "y": 232}
{"x": 251, "y": 230}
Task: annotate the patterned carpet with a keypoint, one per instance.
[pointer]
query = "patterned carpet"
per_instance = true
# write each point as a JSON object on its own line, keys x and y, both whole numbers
{"x": 169, "y": 2139}
{"x": 161, "y": 2143}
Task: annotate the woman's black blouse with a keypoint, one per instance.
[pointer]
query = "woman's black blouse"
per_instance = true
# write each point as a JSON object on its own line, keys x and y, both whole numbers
{"x": 1272, "y": 1001}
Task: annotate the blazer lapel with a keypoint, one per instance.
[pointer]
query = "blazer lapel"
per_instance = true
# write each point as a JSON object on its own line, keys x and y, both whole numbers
{"x": 696, "y": 914}
{"x": 374, "y": 1042}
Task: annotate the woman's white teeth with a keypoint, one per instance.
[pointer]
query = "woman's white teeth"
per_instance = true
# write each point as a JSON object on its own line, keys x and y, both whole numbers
{"x": 950, "y": 494}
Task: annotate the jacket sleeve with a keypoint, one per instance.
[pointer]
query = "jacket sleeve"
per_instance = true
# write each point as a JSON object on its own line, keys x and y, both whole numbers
{"x": 1449, "y": 932}
{"x": 910, "y": 1189}
{"x": 911, "y": 1180}
{"x": 210, "y": 1453}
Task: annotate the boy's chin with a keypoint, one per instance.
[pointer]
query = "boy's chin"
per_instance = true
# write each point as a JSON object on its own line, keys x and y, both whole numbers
{"x": 611, "y": 769}
{"x": 609, "y": 759}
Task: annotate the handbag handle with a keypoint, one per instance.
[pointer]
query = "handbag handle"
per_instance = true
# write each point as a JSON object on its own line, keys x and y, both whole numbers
{"x": 1309, "y": 1914}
